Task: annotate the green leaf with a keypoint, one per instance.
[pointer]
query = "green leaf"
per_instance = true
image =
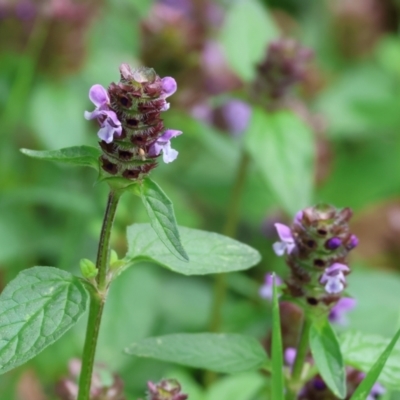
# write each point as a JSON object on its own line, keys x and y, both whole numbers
{"x": 328, "y": 357}
{"x": 362, "y": 350}
{"x": 245, "y": 35}
{"x": 277, "y": 387}
{"x": 237, "y": 387}
{"x": 209, "y": 253}
{"x": 85, "y": 156}
{"x": 36, "y": 309}
{"x": 219, "y": 352}
{"x": 372, "y": 376}
{"x": 282, "y": 147}
{"x": 162, "y": 217}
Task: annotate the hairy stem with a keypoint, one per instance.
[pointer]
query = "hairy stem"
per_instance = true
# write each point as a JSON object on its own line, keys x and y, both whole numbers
{"x": 97, "y": 299}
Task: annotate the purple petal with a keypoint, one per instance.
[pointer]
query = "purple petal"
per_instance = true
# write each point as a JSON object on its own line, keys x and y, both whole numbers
{"x": 98, "y": 95}
{"x": 106, "y": 133}
{"x": 168, "y": 135}
{"x": 284, "y": 232}
{"x": 333, "y": 243}
{"x": 112, "y": 119}
{"x": 279, "y": 248}
{"x": 334, "y": 286}
{"x": 169, "y": 86}
{"x": 169, "y": 154}
{"x": 336, "y": 268}
{"x": 290, "y": 355}
{"x": 338, "y": 313}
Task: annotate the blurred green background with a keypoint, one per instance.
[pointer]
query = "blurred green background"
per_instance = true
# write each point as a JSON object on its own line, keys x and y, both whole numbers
{"x": 338, "y": 142}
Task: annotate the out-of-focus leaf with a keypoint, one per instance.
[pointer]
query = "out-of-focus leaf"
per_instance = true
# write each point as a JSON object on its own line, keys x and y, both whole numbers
{"x": 219, "y": 352}
{"x": 361, "y": 351}
{"x": 56, "y": 114}
{"x": 37, "y": 308}
{"x": 85, "y": 156}
{"x": 372, "y": 376}
{"x": 277, "y": 387}
{"x": 209, "y": 253}
{"x": 384, "y": 305}
{"x": 245, "y": 35}
{"x": 282, "y": 147}
{"x": 326, "y": 353}
{"x": 162, "y": 217}
{"x": 237, "y": 387}
{"x": 121, "y": 322}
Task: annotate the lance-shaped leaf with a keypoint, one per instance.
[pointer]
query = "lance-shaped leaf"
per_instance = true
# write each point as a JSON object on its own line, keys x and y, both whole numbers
{"x": 277, "y": 387}
{"x": 162, "y": 217}
{"x": 209, "y": 253}
{"x": 85, "y": 156}
{"x": 36, "y": 309}
{"x": 328, "y": 357}
{"x": 282, "y": 147}
{"x": 372, "y": 376}
{"x": 362, "y": 350}
{"x": 219, "y": 352}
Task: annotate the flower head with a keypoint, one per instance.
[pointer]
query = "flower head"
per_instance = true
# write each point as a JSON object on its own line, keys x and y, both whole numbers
{"x": 163, "y": 144}
{"x": 287, "y": 243}
{"x": 167, "y": 389}
{"x": 333, "y": 278}
{"x": 109, "y": 123}
{"x": 337, "y": 314}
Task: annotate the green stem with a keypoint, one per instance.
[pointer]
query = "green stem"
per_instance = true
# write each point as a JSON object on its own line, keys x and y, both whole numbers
{"x": 219, "y": 290}
{"x": 301, "y": 354}
{"x": 229, "y": 230}
{"x": 97, "y": 299}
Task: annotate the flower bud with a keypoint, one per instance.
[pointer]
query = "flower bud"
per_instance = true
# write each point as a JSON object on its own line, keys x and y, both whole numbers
{"x": 88, "y": 268}
{"x": 167, "y": 389}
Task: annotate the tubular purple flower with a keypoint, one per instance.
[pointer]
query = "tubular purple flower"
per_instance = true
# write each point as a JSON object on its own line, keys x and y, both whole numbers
{"x": 333, "y": 243}
{"x": 108, "y": 120}
{"x": 353, "y": 242}
{"x": 290, "y": 355}
{"x": 287, "y": 243}
{"x": 334, "y": 279}
{"x": 377, "y": 390}
{"x": 163, "y": 144}
{"x": 337, "y": 314}
{"x": 169, "y": 86}
{"x": 266, "y": 290}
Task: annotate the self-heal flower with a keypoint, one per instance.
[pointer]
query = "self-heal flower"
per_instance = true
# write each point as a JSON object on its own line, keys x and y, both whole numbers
{"x": 334, "y": 279}
{"x": 266, "y": 290}
{"x": 163, "y": 144}
{"x": 108, "y": 120}
{"x": 169, "y": 86}
{"x": 287, "y": 243}
{"x": 337, "y": 315}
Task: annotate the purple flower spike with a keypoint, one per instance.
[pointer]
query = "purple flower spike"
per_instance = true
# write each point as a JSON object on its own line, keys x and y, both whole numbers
{"x": 108, "y": 120}
{"x": 169, "y": 86}
{"x": 353, "y": 242}
{"x": 333, "y": 243}
{"x": 163, "y": 143}
{"x": 287, "y": 242}
{"x": 266, "y": 290}
{"x": 334, "y": 279}
{"x": 338, "y": 312}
